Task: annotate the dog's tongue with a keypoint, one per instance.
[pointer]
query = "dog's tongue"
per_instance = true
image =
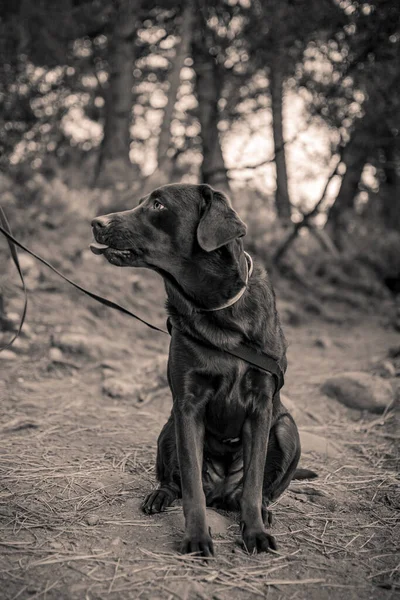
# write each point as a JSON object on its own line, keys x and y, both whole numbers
{"x": 97, "y": 248}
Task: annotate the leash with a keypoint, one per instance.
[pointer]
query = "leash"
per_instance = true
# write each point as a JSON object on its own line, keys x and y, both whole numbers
{"x": 12, "y": 242}
{"x": 5, "y": 228}
{"x": 247, "y": 353}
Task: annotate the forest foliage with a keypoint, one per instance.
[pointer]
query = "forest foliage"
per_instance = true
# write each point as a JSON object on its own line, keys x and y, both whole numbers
{"x": 126, "y": 95}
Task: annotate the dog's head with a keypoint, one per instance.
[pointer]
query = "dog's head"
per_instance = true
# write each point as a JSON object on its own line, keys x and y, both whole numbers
{"x": 170, "y": 226}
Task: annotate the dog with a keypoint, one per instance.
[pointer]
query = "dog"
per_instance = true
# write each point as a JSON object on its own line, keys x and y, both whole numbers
{"x": 229, "y": 442}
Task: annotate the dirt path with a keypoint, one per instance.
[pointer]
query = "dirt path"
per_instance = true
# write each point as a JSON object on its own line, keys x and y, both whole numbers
{"x": 75, "y": 464}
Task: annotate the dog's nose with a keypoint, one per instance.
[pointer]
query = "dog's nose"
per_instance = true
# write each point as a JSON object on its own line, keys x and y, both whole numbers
{"x": 100, "y": 222}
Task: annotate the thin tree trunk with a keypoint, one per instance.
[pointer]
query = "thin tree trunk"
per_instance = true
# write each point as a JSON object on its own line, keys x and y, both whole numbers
{"x": 208, "y": 87}
{"x": 209, "y": 81}
{"x": 182, "y": 52}
{"x": 114, "y": 165}
{"x": 355, "y": 157}
{"x": 165, "y": 164}
{"x": 218, "y": 177}
{"x": 282, "y": 198}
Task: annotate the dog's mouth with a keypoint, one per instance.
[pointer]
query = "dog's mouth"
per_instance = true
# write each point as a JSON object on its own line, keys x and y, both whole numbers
{"x": 98, "y": 248}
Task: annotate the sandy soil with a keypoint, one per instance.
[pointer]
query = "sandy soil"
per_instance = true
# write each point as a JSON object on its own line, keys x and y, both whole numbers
{"x": 76, "y": 463}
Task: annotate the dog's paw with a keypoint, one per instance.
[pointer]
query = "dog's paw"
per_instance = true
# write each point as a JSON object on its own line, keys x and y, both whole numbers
{"x": 199, "y": 544}
{"x": 255, "y": 540}
{"x": 157, "y": 501}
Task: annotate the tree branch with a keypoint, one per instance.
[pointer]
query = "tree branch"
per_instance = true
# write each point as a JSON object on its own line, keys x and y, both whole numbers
{"x": 284, "y": 247}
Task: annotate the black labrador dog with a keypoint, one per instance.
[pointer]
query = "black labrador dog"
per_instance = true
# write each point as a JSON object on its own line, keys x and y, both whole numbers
{"x": 229, "y": 441}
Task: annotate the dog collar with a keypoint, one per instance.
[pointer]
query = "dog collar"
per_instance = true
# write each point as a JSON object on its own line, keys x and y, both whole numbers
{"x": 232, "y": 301}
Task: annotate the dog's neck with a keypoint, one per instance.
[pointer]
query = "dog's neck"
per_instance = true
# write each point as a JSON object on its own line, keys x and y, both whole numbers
{"x": 218, "y": 282}
{"x": 237, "y": 296}
{"x": 226, "y": 277}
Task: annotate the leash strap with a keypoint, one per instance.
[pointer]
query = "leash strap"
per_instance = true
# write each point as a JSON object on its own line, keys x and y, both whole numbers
{"x": 248, "y": 354}
{"x": 262, "y": 361}
{"x": 12, "y": 242}
{"x": 5, "y": 228}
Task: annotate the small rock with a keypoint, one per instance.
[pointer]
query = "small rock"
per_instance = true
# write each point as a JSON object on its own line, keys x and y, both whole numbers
{"x": 14, "y": 318}
{"x": 360, "y": 390}
{"x": 19, "y": 423}
{"x": 328, "y": 503}
{"x": 20, "y": 345}
{"x": 56, "y": 545}
{"x": 79, "y": 343}
{"x": 8, "y": 200}
{"x": 92, "y": 519}
{"x": 109, "y": 368}
{"x": 116, "y": 541}
{"x": 8, "y": 355}
{"x": 219, "y": 524}
{"x": 323, "y": 342}
{"x": 120, "y": 388}
{"x": 310, "y": 442}
{"x": 308, "y": 490}
{"x": 55, "y": 354}
{"x": 302, "y": 498}
{"x": 107, "y": 372}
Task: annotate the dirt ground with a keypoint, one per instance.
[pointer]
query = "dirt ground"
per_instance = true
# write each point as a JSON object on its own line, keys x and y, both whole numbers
{"x": 76, "y": 463}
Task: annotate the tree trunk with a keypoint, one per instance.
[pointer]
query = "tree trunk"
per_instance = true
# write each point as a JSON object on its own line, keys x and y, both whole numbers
{"x": 114, "y": 166}
{"x": 208, "y": 87}
{"x": 355, "y": 157}
{"x": 165, "y": 163}
{"x": 391, "y": 188}
{"x": 209, "y": 83}
{"x": 282, "y": 198}
{"x": 182, "y": 52}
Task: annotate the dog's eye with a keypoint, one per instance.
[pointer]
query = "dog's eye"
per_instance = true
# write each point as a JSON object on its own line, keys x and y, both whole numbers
{"x": 158, "y": 206}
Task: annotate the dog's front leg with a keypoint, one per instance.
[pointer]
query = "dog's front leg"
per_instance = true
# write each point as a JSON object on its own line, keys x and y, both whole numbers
{"x": 255, "y": 441}
{"x": 189, "y": 426}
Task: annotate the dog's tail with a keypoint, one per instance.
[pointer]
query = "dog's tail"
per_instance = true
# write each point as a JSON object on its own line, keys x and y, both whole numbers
{"x": 304, "y": 474}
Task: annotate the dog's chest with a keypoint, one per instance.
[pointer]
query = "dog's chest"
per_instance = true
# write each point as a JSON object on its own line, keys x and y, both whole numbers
{"x": 232, "y": 397}
{"x": 227, "y": 389}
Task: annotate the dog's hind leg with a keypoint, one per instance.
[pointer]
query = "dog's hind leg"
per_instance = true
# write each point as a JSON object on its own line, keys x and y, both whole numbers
{"x": 167, "y": 472}
{"x": 283, "y": 455}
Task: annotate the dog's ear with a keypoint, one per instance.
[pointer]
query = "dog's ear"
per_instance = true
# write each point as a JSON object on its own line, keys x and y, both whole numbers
{"x": 219, "y": 224}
